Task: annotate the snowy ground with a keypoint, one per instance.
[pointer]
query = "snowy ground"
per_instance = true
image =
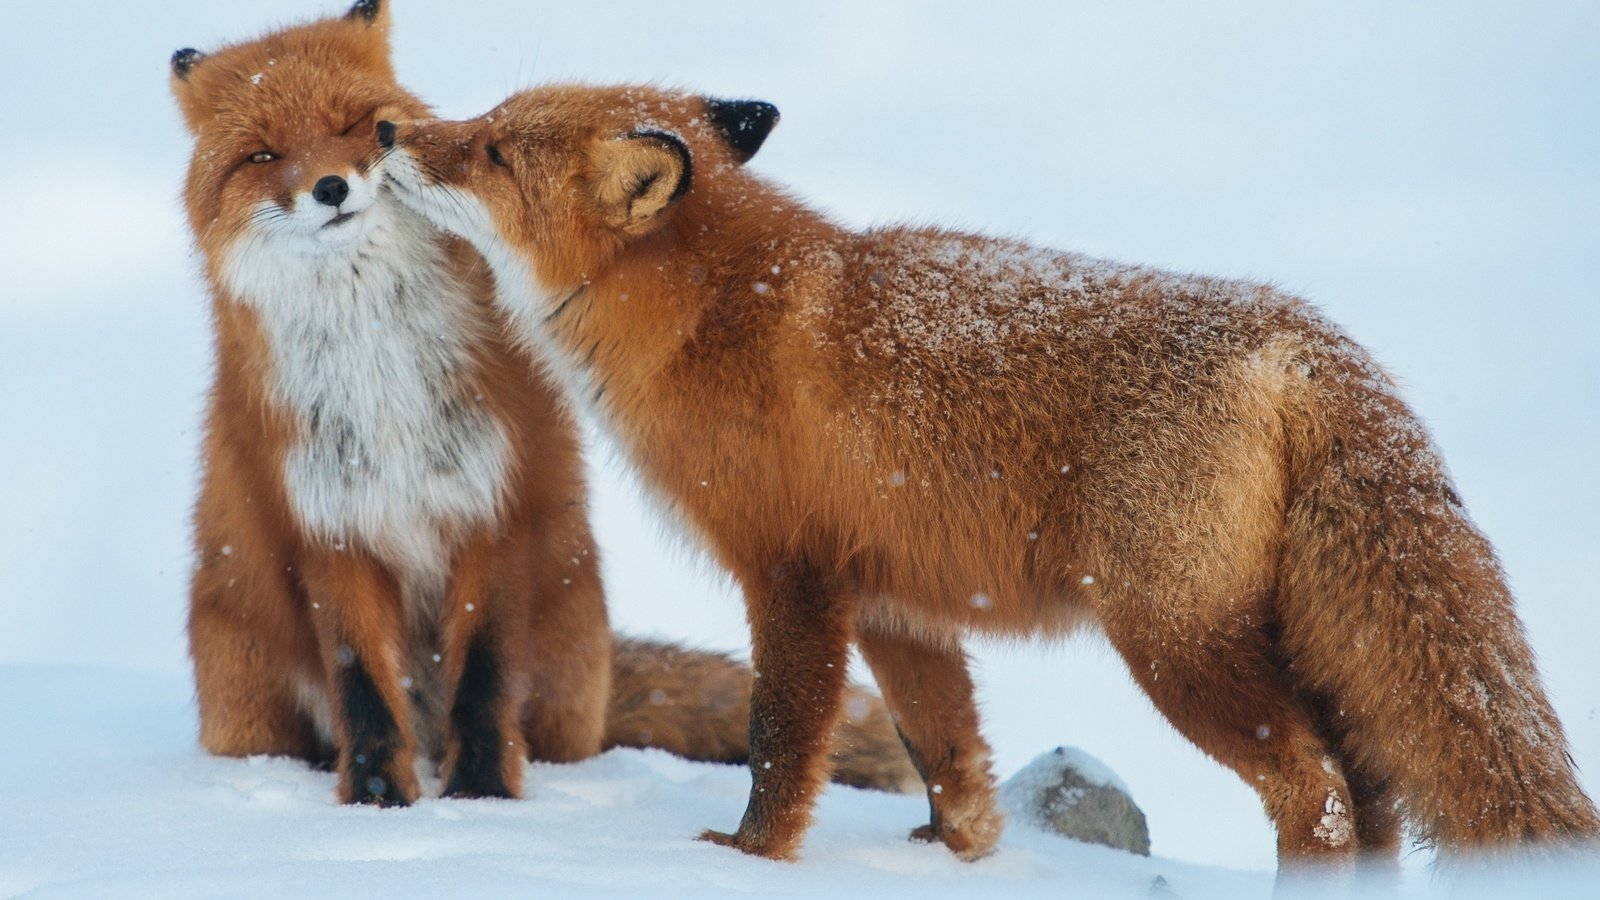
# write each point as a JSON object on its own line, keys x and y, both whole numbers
{"x": 163, "y": 820}
{"x": 107, "y": 797}
{"x": 1425, "y": 173}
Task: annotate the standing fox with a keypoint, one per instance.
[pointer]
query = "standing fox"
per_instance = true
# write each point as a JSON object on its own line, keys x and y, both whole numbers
{"x": 897, "y": 436}
{"x": 393, "y": 551}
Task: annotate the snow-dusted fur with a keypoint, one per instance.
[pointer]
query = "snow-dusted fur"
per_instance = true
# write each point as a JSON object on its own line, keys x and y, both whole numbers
{"x": 897, "y": 436}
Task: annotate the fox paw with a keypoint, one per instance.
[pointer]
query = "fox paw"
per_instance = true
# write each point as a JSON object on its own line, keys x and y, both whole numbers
{"x": 971, "y": 842}
{"x": 744, "y": 845}
{"x": 388, "y": 785}
{"x": 379, "y": 791}
{"x": 471, "y": 777}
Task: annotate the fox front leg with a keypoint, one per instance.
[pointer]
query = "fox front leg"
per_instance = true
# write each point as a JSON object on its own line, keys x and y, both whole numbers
{"x": 800, "y": 631}
{"x": 356, "y": 614}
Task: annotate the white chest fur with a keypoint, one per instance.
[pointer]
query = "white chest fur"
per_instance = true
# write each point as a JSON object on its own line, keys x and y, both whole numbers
{"x": 371, "y": 347}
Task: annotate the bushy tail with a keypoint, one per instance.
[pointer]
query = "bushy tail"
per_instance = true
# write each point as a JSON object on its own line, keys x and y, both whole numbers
{"x": 1395, "y": 609}
{"x": 697, "y": 705}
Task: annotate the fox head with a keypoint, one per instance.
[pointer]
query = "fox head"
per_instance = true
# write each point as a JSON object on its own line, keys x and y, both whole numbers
{"x": 283, "y": 127}
{"x": 561, "y": 179}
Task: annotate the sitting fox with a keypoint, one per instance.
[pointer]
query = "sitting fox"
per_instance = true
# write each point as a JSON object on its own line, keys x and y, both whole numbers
{"x": 393, "y": 548}
{"x": 897, "y": 436}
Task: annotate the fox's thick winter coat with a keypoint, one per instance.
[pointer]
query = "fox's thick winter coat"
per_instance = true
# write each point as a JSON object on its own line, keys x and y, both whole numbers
{"x": 897, "y": 436}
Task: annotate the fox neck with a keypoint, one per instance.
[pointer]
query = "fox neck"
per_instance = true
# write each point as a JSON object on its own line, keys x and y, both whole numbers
{"x": 579, "y": 333}
{"x": 370, "y": 354}
{"x": 670, "y": 344}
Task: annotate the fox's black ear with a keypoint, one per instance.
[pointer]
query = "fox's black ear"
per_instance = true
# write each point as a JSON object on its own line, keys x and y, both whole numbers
{"x": 184, "y": 60}
{"x": 638, "y": 176}
{"x": 365, "y": 10}
{"x": 744, "y": 124}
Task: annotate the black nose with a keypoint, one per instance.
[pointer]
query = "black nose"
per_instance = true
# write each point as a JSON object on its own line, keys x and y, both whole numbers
{"x": 386, "y": 133}
{"x": 331, "y": 190}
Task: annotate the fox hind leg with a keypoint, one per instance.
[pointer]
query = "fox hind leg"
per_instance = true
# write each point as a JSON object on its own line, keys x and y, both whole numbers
{"x": 1373, "y": 798}
{"x": 570, "y": 647}
{"x": 248, "y": 645}
{"x": 1217, "y": 680}
{"x": 246, "y": 709}
{"x": 930, "y": 694}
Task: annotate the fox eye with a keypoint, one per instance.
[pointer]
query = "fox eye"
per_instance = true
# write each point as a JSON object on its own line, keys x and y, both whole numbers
{"x": 353, "y": 125}
{"x": 494, "y": 156}
{"x": 263, "y": 156}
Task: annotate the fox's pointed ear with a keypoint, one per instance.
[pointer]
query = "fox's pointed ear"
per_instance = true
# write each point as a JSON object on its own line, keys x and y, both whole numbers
{"x": 369, "y": 20}
{"x": 186, "y": 92}
{"x": 638, "y": 176}
{"x": 744, "y": 124}
{"x": 369, "y": 11}
{"x": 184, "y": 60}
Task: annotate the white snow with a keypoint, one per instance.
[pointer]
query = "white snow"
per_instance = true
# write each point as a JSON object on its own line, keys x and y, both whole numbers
{"x": 107, "y": 796}
{"x": 1438, "y": 209}
{"x": 1336, "y": 828}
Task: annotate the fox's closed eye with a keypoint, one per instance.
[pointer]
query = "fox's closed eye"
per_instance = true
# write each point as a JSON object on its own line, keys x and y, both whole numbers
{"x": 353, "y": 125}
{"x": 263, "y": 156}
{"x": 494, "y": 156}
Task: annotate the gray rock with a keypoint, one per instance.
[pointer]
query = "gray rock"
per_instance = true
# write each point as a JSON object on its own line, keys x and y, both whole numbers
{"x": 1071, "y": 793}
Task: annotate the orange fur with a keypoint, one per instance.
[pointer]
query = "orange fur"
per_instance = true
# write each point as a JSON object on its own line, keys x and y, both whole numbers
{"x": 898, "y": 436}
{"x": 318, "y": 627}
